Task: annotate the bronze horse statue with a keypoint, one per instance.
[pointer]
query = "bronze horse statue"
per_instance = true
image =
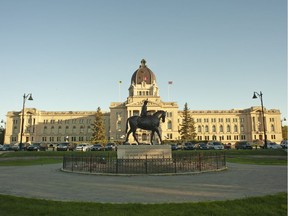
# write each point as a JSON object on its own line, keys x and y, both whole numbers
{"x": 149, "y": 122}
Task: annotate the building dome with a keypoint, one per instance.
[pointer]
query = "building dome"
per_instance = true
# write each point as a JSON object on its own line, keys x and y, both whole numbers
{"x": 143, "y": 74}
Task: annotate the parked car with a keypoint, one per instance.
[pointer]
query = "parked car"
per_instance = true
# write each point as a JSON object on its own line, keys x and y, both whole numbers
{"x": 34, "y": 147}
{"x": 189, "y": 146}
{"x": 16, "y": 147}
{"x": 63, "y": 147}
{"x": 273, "y": 145}
{"x": 227, "y": 146}
{"x": 83, "y": 147}
{"x": 243, "y": 145}
{"x": 215, "y": 145}
{"x": 175, "y": 146}
{"x": 201, "y": 146}
{"x": 110, "y": 147}
{"x": 284, "y": 144}
{"x": 97, "y": 147}
{"x": 4, "y": 148}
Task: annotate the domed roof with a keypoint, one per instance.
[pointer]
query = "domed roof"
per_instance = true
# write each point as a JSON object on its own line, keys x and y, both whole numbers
{"x": 143, "y": 74}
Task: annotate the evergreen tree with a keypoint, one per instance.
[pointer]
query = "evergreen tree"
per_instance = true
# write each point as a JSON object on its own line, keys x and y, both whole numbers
{"x": 187, "y": 128}
{"x": 2, "y": 134}
{"x": 98, "y": 127}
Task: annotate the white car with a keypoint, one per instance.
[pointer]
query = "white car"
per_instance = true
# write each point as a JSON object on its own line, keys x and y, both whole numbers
{"x": 83, "y": 147}
{"x": 272, "y": 145}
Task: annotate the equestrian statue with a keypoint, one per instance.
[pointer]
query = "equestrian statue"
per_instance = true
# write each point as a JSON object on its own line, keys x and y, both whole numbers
{"x": 145, "y": 122}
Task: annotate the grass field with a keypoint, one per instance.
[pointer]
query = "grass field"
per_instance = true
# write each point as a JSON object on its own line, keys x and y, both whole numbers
{"x": 274, "y": 205}
{"x": 260, "y": 156}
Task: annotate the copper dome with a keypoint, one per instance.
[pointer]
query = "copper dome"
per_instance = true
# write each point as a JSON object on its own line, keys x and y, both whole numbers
{"x": 143, "y": 74}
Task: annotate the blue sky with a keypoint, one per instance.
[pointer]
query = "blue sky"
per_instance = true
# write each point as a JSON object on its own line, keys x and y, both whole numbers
{"x": 70, "y": 54}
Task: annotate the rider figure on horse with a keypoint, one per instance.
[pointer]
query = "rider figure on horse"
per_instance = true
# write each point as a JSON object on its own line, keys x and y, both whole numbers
{"x": 144, "y": 109}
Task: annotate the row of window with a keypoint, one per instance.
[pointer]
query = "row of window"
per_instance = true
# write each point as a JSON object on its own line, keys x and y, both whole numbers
{"x": 67, "y": 129}
{"x": 58, "y": 130}
{"x": 68, "y": 121}
{"x": 206, "y": 120}
{"x": 221, "y": 129}
{"x": 66, "y": 139}
{"x": 205, "y": 128}
{"x": 222, "y": 137}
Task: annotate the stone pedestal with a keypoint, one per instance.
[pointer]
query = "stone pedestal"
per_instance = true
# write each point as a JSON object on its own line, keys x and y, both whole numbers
{"x": 144, "y": 151}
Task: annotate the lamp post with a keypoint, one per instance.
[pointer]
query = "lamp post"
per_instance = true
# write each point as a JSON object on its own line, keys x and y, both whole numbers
{"x": 284, "y": 119}
{"x": 29, "y": 96}
{"x": 263, "y": 117}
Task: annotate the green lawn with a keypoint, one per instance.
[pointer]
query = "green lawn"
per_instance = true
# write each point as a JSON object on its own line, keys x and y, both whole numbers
{"x": 260, "y": 156}
{"x": 254, "y": 206}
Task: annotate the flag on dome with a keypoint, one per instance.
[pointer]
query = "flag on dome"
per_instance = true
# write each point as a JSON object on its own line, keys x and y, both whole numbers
{"x": 170, "y": 82}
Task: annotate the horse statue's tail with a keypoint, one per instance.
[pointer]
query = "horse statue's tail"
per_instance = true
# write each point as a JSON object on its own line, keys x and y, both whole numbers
{"x": 127, "y": 125}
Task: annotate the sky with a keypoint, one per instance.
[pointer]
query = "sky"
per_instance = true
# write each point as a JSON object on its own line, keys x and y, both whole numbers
{"x": 71, "y": 54}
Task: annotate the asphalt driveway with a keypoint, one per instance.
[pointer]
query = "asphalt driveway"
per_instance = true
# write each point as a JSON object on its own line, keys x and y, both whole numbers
{"x": 48, "y": 182}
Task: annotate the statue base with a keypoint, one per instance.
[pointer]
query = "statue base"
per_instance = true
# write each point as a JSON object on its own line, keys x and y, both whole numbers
{"x": 144, "y": 152}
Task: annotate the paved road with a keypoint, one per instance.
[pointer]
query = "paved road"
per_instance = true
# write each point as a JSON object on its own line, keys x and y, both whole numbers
{"x": 48, "y": 182}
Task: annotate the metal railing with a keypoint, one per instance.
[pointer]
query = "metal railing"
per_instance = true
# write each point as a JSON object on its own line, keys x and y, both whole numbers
{"x": 178, "y": 164}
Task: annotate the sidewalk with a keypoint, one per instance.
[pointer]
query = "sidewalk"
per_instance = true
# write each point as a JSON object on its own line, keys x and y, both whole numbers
{"x": 48, "y": 182}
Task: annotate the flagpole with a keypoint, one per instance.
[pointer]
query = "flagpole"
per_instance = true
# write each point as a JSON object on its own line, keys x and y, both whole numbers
{"x": 168, "y": 92}
{"x": 169, "y": 83}
{"x": 119, "y": 91}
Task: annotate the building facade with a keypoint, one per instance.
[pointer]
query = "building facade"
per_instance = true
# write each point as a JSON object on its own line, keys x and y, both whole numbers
{"x": 227, "y": 126}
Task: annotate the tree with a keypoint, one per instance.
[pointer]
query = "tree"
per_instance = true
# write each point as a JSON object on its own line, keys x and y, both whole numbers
{"x": 98, "y": 127}
{"x": 187, "y": 128}
{"x": 2, "y": 134}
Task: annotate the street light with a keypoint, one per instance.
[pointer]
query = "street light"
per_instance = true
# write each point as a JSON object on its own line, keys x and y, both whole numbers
{"x": 263, "y": 117}
{"x": 29, "y": 96}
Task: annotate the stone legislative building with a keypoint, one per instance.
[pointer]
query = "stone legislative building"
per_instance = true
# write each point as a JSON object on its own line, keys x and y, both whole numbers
{"x": 227, "y": 126}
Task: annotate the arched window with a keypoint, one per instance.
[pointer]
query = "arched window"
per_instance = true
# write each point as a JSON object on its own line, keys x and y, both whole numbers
{"x": 199, "y": 129}
{"x": 45, "y": 130}
{"x": 221, "y": 128}
{"x": 59, "y": 129}
{"x": 206, "y": 128}
{"x": 145, "y": 137}
{"x": 235, "y": 128}
{"x": 74, "y": 129}
{"x": 14, "y": 129}
{"x": 242, "y": 128}
{"x": 82, "y": 129}
{"x": 272, "y": 128}
{"x": 228, "y": 129}
{"x": 169, "y": 125}
{"x": 52, "y": 129}
{"x": 214, "y": 128}
{"x": 67, "y": 129}
{"x": 119, "y": 125}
